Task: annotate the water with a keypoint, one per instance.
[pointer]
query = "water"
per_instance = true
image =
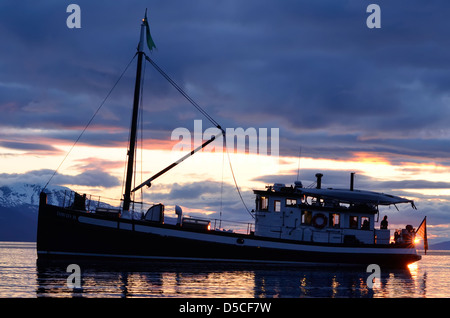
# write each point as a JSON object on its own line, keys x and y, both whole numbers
{"x": 20, "y": 277}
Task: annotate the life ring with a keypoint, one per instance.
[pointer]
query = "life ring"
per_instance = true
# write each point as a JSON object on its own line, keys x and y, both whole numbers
{"x": 319, "y": 220}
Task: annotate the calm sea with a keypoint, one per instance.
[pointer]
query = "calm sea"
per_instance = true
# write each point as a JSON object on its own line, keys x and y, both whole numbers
{"x": 20, "y": 277}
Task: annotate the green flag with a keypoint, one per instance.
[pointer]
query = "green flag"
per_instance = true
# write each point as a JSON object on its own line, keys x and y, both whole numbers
{"x": 151, "y": 45}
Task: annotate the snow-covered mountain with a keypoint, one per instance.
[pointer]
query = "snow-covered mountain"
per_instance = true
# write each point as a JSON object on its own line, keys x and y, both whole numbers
{"x": 20, "y": 194}
{"x": 19, "y": 204}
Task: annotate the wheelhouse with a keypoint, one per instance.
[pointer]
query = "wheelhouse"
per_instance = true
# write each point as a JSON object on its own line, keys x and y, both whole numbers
{"x": 321, "y": 215}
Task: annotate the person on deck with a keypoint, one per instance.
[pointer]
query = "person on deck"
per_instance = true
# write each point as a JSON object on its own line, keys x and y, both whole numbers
{"x": 384, "y": 223}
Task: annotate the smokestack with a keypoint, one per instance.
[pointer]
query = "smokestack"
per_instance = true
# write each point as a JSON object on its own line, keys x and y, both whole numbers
{"x": 319, "y": 180}
{"x": 352, "y": 180}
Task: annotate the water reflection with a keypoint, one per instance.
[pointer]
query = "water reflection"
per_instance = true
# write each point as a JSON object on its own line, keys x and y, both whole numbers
{"x": 419, "y": 279}
{"x": 213, "y": 280}
{"x": 145, "y": 280}
{"x": 21, "y": 278}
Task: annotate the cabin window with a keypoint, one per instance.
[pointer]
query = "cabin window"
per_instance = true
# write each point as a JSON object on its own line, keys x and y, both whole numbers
{"x": 264, "y": 203}
{"x": 365, "y": 223}
{"x": 291, "y": 202}
{"x": 353, "y": 223}
{"x": 317, "y": 201}
{"x": 335, "y": 220}
{"x": 277, "y": 205}
{"x": 306, "y": 217}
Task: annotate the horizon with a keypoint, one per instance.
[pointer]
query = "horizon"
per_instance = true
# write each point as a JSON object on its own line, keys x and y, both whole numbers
{"x": 354, "y": 99}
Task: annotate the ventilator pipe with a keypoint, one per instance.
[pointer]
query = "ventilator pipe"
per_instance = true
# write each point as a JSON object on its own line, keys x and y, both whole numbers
{"x": 179, "y": 212}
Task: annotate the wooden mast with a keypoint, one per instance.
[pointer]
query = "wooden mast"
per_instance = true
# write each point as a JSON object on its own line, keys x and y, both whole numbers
{"x": 132, "y": 145}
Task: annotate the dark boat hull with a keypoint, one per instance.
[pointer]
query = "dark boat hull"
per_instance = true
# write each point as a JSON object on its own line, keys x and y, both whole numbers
{"x": 65, "y": 233}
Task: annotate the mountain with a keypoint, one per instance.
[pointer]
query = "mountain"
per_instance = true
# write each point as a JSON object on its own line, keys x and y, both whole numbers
{"x": 440, "y": 246}
{"x": 20, "y": 194}
{"x": 19, "y": 205}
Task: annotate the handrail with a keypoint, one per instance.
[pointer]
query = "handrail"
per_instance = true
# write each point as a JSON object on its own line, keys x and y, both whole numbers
{"x": 92, "y": 202}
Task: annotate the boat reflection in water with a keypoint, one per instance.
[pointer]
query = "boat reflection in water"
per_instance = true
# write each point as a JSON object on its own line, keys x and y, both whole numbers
{"x": 212, "y": 280}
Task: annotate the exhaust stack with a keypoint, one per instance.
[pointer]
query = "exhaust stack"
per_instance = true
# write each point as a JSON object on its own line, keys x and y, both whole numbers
{"x": 319, "y": 180}
{"x": 352, "y": 180}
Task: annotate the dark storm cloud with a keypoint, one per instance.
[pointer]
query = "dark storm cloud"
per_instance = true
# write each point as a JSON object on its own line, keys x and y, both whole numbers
{"x": 28, "y": 146}
{"x": 341, "y": 179}
{"x": 212, "y": 196}
{"x": 311, "y": 68}
{"x": 92, "y": 178}
{"x": 330, "y": 179}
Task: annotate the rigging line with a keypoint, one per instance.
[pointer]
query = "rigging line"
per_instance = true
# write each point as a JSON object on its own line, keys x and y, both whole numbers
{"x": 298, "y": 168}
{"x": 235, "y": 183}
{"x": 202, "y": 111}
{"x": 141, "y": 128}
{"x": 89, "y": 122}
{"x": 180, "y": 90}
{"x": 221, "y": 190}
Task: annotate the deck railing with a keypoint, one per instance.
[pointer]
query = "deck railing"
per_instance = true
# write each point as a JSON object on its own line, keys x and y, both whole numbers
{"x": 93, "y": 202}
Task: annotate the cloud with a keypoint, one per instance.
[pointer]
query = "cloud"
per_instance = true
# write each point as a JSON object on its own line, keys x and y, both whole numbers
{"x": 29, "y": 146}
{"x": 311, "y": 68}
{"x": 96, "y": 164}
{"x": 90, "y": 178}
{"x": 215, "y": 199}
{"x": 415, "y": 184}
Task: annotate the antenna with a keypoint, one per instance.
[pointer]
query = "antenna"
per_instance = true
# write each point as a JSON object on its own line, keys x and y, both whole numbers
{"x": 299, "y": 156}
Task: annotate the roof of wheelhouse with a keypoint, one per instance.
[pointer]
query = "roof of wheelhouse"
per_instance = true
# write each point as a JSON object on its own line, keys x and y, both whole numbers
{"x": 342, "y": 195}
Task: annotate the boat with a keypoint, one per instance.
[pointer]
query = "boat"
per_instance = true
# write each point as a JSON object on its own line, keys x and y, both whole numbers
{"x": 293, "y": 225}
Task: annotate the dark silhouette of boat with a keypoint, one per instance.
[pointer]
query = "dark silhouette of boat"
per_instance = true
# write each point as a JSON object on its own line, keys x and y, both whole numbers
{"x": 292, "y": 224}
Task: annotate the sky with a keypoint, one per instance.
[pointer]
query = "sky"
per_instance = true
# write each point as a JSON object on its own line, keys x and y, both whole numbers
{"x": 343, "y": 98}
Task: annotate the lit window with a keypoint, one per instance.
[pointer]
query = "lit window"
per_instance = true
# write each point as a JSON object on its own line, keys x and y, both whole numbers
{"x": 303, "y": 199}
{"x": 291, "y": 202}
{"x": 264, "y": 203}
{"x": 277, "y": 206}
{"x": 335, "y": 220}
{"x": 306, "y": 217}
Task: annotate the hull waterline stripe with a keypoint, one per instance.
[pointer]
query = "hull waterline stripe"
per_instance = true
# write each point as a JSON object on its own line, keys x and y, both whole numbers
{"x": 193, "y": 259}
